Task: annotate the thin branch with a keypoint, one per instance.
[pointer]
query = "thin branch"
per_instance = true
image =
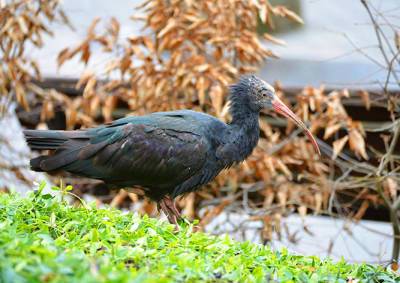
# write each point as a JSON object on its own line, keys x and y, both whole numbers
{"x": 390, "y": 72}
{"x": 378, "y": 36}
{"x": 361, "y": 51}
{"x": 385, "y": 159}
{"x": 381, "y": 15}
{"x": 396, "y": 204}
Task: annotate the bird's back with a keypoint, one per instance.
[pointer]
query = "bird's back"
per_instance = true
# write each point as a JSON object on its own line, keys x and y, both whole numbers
{"x": 181, "y": 120}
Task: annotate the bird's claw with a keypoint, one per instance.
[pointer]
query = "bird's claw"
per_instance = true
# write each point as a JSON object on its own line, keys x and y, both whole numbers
{"x": 167, "y": 205}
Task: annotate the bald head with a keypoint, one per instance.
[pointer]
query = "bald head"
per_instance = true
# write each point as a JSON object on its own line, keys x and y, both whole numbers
{"x": 256, "y": 94}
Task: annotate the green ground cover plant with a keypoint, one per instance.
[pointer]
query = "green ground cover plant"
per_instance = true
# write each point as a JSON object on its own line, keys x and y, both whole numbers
{"x": 44, "y": 239}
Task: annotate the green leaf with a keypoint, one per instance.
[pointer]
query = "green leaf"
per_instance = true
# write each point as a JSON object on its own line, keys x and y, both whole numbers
{"x": 45, "y": 240}
{"x": 68, "y": 188}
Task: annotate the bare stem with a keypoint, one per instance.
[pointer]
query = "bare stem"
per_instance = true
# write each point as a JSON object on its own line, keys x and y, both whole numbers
{"x": 388, "y": 155}
{"x": 378, "y": 37}
{"x": 396, "y": 234}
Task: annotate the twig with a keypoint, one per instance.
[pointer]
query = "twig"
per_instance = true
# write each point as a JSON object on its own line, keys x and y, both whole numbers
{"x": 287, "y": 140}
{"x": 385, "y": 159}
{"x": 395, "y": 224}
{"x": 378, "y": 36}
{"x": 390, "y": 72}
{"x": 396, "y": 204}
{"x": 381, "y": 15}
{"x": 396, "y": 233}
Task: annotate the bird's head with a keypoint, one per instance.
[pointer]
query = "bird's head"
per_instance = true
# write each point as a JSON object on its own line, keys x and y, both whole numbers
{"x": 261, "y": 95}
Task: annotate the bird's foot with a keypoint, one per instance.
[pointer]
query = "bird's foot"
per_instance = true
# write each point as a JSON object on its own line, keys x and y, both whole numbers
{"x": 167, "y": 205}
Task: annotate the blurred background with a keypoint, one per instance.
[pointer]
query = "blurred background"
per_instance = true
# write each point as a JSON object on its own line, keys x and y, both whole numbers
{"x": 73, "y": 64}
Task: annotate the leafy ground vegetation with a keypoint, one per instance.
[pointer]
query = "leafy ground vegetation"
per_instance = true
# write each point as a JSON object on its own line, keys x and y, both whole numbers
{"x": 43, "y": 239}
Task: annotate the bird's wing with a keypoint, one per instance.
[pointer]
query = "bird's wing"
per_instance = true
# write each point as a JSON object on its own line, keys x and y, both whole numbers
{"x": 180, "y": 120}
{"x": 134, "y": 154}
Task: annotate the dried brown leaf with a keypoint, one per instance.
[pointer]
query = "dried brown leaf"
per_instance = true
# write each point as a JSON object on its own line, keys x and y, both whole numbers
{"x": 89, "y": 88}
{"x": 273, "y": 39}
{"x": 302, "y": 210}
{"x": 70, "y": 117}
{"x": 284, "y": 169}
{"x": 216, "y": 95}
{"x": 85, "y": 53}
{"x": 200, "y": 86}
{"x": 263, "y": 13}
{"x": 282, "y": 197}
{"x": 357, "y": 143}
{"x": 331, "y": 130}
{"x": 47, "y": 110}
{"x": 285, "y": 12}
{"x": 125, "y": 63}
{"x": 91, "y": 30}
{"x": 83, "y": 79}
{"x": 361, "y": 211}
{"x": 114, "y": 27}
{"x": 108, "y": 107}
{"x": 63, "y": 56}
{"x": 365, "y": 98}
{"x": 318, "y": 202}
{"x": 21, "y": 95}
{"x": 391, "y": 187}
{"x": 170, "y": 26}
{"x": 23, "y": 25}
{"x": 338, "y": 146}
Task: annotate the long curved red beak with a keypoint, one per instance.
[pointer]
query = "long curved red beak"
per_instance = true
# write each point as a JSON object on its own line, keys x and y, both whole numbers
{"x": 282, "y": 109}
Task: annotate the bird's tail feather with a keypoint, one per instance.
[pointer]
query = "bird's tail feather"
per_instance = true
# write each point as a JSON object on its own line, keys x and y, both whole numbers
{"x": 66, "y": 143}
{"x": 44, "y": 139}
{"x": 35, "y": 163}
{"x": 38, "y": 139}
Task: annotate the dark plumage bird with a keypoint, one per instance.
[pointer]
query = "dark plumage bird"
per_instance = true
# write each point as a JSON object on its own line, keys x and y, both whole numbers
{"x": 167, "y": 154}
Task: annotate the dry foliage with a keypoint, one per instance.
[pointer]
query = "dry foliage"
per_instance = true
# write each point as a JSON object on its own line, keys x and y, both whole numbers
{"x": 23, "y": 23}
{"x": 190, "y": 53}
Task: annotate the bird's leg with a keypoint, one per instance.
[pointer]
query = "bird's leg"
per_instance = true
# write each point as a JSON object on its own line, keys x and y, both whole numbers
{"x": 171, "y": 204}
{"x": 167, "y": 205}
{"x": 162, "y": 206}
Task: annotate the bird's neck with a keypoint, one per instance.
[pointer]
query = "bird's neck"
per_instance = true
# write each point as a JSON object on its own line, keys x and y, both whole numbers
{"x": 244, "y": 114}
{"x": 243, "y": 130}
{"x": 245, "y": 135}
{"x": 244, "y": 118}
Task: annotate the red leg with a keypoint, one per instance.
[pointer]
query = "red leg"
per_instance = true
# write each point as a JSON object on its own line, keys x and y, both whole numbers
{"x": 171, "y": 204}
{"x": 167, "y": 205}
